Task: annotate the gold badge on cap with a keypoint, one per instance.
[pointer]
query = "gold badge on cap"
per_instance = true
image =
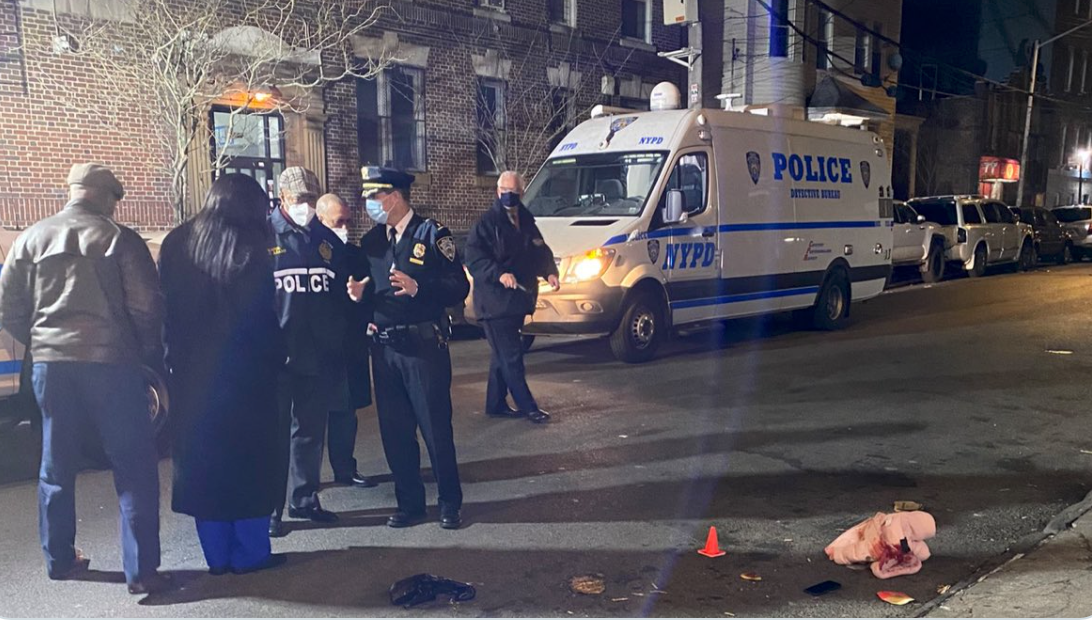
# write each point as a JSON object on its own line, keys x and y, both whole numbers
{"x": 419, "y": 250}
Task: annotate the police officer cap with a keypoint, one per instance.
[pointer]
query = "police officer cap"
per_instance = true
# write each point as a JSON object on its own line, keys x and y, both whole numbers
{"x": 377, "y": 179}
{"x": 96, "y": 175}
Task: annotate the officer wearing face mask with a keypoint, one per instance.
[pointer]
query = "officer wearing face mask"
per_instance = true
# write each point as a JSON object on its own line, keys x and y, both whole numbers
{"x": 416, "y": 275}
{"x": 355, "y": 387}
{"x": 506, "y": 256}
{"x": 310, "y": 273}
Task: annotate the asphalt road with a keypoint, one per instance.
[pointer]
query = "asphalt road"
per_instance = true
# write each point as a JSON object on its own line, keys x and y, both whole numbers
{"x": 947, "y": 395}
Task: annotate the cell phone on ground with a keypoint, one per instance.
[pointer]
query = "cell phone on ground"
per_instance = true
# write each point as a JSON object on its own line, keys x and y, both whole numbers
{"x": 820, "y": 589}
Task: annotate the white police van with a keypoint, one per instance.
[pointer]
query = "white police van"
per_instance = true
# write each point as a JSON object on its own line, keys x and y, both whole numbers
{"x": 679, "y": 217}
{"x": 15, "y": 401}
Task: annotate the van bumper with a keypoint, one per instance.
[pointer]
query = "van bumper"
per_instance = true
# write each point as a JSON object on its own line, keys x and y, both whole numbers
{"x": 584, "y": 308}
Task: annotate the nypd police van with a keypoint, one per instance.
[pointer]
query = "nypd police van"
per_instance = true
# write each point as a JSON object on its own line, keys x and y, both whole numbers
{"x": 672, "y": 218}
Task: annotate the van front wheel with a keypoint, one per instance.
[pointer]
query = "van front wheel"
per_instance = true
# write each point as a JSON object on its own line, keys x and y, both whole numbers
{"x": 832, "y": 304}
{"x": 640, "y": 331}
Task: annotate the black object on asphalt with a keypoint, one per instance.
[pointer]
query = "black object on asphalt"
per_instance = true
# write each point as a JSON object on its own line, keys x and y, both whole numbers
{"x": 418, "y": 589}
{"x": 820, "y": 589}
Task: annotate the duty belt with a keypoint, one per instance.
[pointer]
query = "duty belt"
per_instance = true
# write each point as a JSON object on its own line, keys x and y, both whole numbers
{"x": 418, "y": 332}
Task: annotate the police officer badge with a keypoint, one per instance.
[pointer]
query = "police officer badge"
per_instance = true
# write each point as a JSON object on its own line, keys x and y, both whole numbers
{"x": 654, "y": 250}
{"x": 326, "y": 251}
{"x": 446, "y": 245}
{"x": 754, "y": 166}
{"x": 866, "y": 173}
{"x": 419, "y": 250}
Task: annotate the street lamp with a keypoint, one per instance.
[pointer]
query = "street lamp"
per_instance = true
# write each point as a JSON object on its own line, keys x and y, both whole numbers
{"x": 1031, "y": 102}
{"x": 1082, "y": 158}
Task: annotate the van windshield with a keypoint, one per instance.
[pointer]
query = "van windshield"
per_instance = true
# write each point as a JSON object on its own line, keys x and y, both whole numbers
{"x": 615, "y": 184}
{"x": 1073, "y": 214}
{"x": 940, "y": 211}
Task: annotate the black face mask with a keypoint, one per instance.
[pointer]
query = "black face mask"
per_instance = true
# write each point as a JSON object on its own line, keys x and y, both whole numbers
{"x": 510, "y": 199}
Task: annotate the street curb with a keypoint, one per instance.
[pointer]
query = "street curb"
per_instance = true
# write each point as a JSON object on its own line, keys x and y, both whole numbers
{"x": 1018, "y": 550}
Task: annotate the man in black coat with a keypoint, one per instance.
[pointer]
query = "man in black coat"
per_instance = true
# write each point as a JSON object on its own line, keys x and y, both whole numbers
{"x": 355, "y": 388}
{"x": 412, "y": 274}
{"x": 506, "y": 256}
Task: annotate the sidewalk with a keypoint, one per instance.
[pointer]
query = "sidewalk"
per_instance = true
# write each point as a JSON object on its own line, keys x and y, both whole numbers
{"x": 1053, "y": 580}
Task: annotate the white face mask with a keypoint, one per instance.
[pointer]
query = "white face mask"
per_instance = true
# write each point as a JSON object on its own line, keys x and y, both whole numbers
{"x": 301, "y": 214}
{"x": 342, "y": 233}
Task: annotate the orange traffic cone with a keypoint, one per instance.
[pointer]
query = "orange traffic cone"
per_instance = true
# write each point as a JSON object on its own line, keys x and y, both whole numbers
{"x": 712, "y": 548}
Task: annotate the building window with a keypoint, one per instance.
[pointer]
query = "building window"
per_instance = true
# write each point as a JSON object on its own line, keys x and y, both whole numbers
{"x": 391, "y": 119}
{"x": 562, "y": 12}
{"x": 637, "y": 20}
{"x": 492, "y": 122}
{"x": 825, "y": 44}
{"x": 779, "y": 28}
{"x": 492, "y": 4}
{"x": 862, "y": 52}
{"x": 1069, "y": 72}
{"x": 248, "y": 142}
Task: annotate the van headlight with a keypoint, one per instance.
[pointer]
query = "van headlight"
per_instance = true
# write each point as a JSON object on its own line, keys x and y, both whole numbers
{"x": 590, "y": 266}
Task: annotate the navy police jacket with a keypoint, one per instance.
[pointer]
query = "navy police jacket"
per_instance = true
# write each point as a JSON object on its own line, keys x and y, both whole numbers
{"x": 496, "y": 247}
{"x": 425, "y": 253}
{"x": 310, "y": 271}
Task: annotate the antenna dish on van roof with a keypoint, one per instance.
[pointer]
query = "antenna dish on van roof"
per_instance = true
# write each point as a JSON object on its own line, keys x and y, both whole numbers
{"x": 665, "y": 96}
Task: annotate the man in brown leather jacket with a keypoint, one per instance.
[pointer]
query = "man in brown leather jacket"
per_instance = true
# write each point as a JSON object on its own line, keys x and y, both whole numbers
{"x": 81, "y": 291}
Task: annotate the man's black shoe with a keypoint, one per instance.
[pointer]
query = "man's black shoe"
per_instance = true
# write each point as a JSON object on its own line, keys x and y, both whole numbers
{"x": 313, "y": 513}
{"x": 356, "y": 480}
{"x": 538, "y": 416}
{"x": 507, "y": 412}
{"x": 450, "y": 519}
{"x": 276, "y": 528}
{"x": 405, "y": 519}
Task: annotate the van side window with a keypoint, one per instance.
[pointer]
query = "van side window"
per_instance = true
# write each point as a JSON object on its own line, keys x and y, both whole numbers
{"x": 970, "y": 214}
{"x": 691, "y": 175}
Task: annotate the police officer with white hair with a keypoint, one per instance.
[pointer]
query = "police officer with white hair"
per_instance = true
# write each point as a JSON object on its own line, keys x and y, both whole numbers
{"x": 310, "y": 273}
{"x": 416, "y": 275}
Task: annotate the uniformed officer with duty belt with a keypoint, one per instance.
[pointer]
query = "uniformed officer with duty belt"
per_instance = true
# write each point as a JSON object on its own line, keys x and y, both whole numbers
{"x": 413, "y": 273}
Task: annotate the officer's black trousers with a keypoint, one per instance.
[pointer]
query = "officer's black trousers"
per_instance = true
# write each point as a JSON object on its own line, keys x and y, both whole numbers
{"x": 506, "y": 371}
{"x": 413, "y": 391}
{"x": 303, "y": 402}
{"x": 341, "y": 441}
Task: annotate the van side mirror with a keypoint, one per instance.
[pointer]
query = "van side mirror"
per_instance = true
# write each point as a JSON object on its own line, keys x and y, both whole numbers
{"x": 675, "y": 209}
{"x": 921, "y": 219}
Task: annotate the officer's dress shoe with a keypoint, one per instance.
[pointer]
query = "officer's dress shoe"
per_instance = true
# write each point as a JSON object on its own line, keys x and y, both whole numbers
{"x": 314, "y": 513}
{"x": 277, "y": 528}
{"x": 79, "y": 566}
{"x": 355, "y": 480}
{"x": 538, "y": 416}
{"x": 450, "y": 519}
{"x": 507, "y": 412}
{"x": 158, "y": 582}
{"x": 273, "y": 561}
{"x": 405, "y": 519}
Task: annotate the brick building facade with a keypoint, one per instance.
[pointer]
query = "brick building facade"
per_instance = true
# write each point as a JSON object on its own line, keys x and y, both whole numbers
{"x": 448, "y": 53}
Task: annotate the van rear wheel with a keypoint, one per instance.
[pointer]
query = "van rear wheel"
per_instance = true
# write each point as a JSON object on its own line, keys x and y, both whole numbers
{"x": 832, "y": 305}
{"x": 641, "y": 329}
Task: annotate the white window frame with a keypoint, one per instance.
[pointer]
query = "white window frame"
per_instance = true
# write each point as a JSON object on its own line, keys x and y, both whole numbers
{"x": 500, "y": 120}
{"x": 384, "y": 95}
{"x": 495, "y": 5}
{"x": 570, "y": 13}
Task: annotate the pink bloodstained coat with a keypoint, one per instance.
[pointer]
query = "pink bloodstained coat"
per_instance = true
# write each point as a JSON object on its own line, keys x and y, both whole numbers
{"x": 877, "y": 541}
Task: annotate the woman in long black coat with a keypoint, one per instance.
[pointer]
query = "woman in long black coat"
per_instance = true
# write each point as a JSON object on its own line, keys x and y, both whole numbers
{"x": 224, "y": 352}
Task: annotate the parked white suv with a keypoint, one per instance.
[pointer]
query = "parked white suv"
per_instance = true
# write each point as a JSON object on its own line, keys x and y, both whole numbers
{"x": 917, "y": 242}
{"x": 978, "y": 232}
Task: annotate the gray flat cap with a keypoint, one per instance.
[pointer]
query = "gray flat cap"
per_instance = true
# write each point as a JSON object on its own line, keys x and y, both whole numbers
{"x": 96, "y": 175}
{"x": 299, "y": 181}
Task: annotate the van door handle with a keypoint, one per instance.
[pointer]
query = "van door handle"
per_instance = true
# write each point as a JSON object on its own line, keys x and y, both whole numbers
{"x": 708, "y": 233}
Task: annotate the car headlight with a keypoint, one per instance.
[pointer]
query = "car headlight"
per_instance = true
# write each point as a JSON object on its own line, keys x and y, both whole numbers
{"x": 590, "y": 266}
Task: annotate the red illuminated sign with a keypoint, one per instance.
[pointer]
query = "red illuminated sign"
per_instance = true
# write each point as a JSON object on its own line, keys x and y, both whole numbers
{"x": 1001, "y": 169}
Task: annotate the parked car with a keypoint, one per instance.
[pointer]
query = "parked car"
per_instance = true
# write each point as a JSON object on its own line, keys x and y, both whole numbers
{"x": 1077, "y": 219}
{"x": 1051, "y": 238}
{"x": 17, "y": 402}
{"x": 978, "y": 232}
{"x": 917, "y": 242}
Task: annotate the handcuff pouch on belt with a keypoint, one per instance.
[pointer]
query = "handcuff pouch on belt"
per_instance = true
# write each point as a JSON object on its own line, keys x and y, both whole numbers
{"x": 426, "y": 333}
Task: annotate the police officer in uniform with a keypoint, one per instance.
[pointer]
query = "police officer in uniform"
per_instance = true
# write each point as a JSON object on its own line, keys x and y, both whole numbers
{"x": 310, "y": 275}
{"x": 412, "y": 274}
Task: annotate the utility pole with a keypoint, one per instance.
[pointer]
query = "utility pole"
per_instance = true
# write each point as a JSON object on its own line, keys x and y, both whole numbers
{"x": 685, "y": 12}
{"x": 1031, "y": 103}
